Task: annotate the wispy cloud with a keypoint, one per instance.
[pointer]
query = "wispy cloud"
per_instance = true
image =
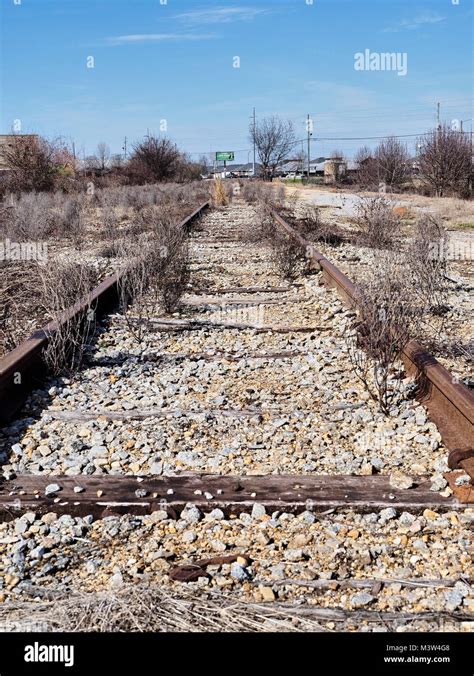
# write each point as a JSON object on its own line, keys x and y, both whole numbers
{"x": 339, "y": 94}
{"x": 138, "y": 38}
{"x": 221, "y": 15}
{"x": 426, "y": 18}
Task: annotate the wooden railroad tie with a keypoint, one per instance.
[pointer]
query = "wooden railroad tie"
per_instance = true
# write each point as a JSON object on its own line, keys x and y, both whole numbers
{"x": 103, "y": 496}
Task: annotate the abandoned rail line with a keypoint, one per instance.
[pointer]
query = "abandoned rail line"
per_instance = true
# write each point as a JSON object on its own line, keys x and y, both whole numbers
{"x": 238, "y": 416}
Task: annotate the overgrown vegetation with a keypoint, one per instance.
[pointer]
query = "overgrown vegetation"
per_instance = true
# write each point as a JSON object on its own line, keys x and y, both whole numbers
{"x": 378, "y": 223}
{"x": 220, "y": 196}
{"x": 287, "y": 255}
{"x": 62, "y": 286}
{"x": 387, "y": 318}
{"x": 445, "y": 160}
{"x": 427, "y": 263}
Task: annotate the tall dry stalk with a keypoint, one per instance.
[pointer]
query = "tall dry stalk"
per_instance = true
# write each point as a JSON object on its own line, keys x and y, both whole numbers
{"x": 219, "y": 193}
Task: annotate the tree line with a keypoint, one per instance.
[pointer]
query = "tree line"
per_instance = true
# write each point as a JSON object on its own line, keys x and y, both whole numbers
{"x": 39, "y": 164}
{"x": 443, "y": 161}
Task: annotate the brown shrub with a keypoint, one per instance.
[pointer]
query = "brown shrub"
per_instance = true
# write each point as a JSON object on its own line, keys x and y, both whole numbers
{"x": 387, "y": 318}
{"x": 378, "y": 224}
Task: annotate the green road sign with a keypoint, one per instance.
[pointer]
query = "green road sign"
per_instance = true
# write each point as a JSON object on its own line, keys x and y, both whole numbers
{"x": 224, "y": 156}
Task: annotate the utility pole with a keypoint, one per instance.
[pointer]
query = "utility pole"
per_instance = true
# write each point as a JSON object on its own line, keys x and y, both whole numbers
{"x": 254, "y": 127}
{"x": 308, "y": 129}
{"x": 124, "y": 148}
{"x": 74, "y": 151}
{"x": 438, "y": 116}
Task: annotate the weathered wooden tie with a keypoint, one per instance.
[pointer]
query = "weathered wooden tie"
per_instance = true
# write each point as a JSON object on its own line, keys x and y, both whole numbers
{"x": 112, "y": 494}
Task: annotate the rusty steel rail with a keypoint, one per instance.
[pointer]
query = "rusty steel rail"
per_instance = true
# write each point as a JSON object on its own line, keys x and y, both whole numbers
{"x": 23, "y": 369}
{"x": 449, "y": 403}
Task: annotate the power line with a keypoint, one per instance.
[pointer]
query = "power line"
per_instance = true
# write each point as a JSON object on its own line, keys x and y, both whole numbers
{"x": 343, "y": 138}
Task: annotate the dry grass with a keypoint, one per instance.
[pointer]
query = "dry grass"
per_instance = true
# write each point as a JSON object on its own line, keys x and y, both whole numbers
{"x": 454, "y": 211}
{"x": 154, "y": 609}
{"x": 219, "y": 194}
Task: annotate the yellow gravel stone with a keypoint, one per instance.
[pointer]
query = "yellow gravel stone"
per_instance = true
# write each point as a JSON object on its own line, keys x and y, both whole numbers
{"x": 267, "y": 594}
{"x": 429, "y": 514}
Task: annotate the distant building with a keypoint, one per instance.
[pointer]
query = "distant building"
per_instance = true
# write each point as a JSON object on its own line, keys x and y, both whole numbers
{"x": 6, "y": 141}
{"x": 235, "y": 171}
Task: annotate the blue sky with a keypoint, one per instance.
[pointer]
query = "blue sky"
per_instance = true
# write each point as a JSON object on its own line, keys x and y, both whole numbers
{"x": 173, "y": 61}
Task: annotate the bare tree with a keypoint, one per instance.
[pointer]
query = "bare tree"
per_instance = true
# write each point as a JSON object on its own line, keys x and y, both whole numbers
{"x": 273, "y": 138}
{"x": 116, "y": 161}
{"x": 445, "y": 160}
{"x": 155, "y": 159}
{"x": 103, "y": 155}
{"x": 392, "y": 161}
{"x": 91, "y": 162}
{"x": 204, "y": 164}
{"x": 367, "y": 175}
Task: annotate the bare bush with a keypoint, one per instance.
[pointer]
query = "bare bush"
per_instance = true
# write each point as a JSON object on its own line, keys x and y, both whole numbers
{"x": 387, "y": 318}
{"x": 157, "y": 275}
{"x": 62, "y": 286}
{"x": 287, "y": 255}
{"x": 445, "y": 161}
{"x": 427, "y": 262}
{"x": 75, "y": 218}
{"x": 138, "y": 288}
{"x": 175, "y": 272}
{"x": 29, "y": 217}
{"x": 378, "y": 224}
{"x": 36, "y": 163}
{"x": 251, "y": 192}
{"x": 155, "y": 159}
{"x": 311, "y": 223}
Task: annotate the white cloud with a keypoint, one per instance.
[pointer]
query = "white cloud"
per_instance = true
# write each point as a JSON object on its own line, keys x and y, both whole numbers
{"x": 221, "y": 15}
{"x": 156, "y": 37}
{"x": 426, "y": 18}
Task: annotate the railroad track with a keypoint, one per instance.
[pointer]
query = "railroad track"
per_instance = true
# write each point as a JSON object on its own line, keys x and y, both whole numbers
{"x": 244, "y": 404}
